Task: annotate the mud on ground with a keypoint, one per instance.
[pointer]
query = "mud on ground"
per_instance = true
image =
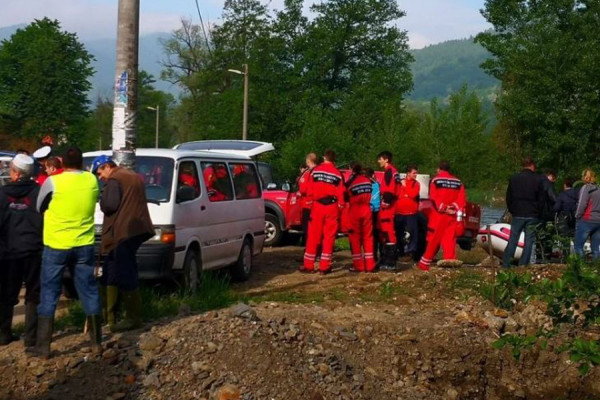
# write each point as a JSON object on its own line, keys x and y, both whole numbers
{"x": 410, "y": 335}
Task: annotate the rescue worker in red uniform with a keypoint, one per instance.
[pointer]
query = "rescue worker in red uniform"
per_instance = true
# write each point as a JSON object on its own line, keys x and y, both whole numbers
{"x": 407, "y": 209}
{"x": 358, "y": 189}
{"x": 326, "y": 189}
{"x": 305, "y": 200}
{"x": 448, "y": 195}
{"x": 387, "y": 234}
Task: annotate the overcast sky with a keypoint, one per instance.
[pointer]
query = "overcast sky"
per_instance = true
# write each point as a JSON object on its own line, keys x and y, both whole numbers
{"x": 427, "y": 21}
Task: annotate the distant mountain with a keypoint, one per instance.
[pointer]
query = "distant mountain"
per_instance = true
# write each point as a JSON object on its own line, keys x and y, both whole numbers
{"x": 438, "y": 69}
{"x": 444, "y": 68}
{"x": 104, "y": 51}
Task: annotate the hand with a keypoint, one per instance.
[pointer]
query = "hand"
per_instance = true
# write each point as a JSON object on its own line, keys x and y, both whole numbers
{"x": 450, "y": 211}
{"x": 404, "y": 182}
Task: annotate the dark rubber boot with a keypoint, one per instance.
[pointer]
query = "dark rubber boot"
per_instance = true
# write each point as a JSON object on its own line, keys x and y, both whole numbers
{"x": 43, "y": 338}
{"x": 6, "y": 317}
{"x": 132, "y": 303}
{"x": 31, "y": 321}
{"x": 95, "y": 331}
{"x": 388, "y": 257}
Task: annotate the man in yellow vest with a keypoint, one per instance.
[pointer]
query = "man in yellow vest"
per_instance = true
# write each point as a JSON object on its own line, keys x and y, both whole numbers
{"x": 68, "y": 202}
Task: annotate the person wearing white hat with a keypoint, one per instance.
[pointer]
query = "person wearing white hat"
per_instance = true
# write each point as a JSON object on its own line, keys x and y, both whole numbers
{"x": 21, "y": 231}
{"x": 41, "y": 156}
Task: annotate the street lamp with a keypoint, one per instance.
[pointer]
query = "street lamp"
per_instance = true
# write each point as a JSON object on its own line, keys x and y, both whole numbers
{"x": 157, "y": 110}
{"x": 245, "y": 122}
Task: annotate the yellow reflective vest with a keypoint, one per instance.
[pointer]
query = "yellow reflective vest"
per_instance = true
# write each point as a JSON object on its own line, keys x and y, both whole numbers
{"x": 69, "y": 219}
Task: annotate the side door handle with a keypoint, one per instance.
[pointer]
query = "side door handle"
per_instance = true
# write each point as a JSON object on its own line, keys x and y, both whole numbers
{"x": 202, "y": 208}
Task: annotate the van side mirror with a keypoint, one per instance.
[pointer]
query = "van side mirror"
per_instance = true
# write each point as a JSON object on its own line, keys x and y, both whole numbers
{"x": 286, "y": 187}
{"x": 185, "y": 193}
{"x": 272, "y": 186}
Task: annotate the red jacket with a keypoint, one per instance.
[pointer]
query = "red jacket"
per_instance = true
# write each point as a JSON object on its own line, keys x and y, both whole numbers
{"x": 388, "y": 185}
{"x": 408, "y": 197}
{"x": 326, "y": 184}
{"x": 359, "y": 189}
{"x": 303, "y": 184}
{"x": 447, "y": 191}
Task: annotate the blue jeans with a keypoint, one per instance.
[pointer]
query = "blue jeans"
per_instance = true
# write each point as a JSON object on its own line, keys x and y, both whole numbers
{"x": 583, "y": 230}
{"x": 517, "y": 226}
{"x": 81, "y": 259}
{"x": 410, "y": 224}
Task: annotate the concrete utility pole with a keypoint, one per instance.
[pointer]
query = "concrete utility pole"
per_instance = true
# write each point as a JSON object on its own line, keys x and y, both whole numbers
{"x": 246, "y": 83}
{"x": 157, "y": 110}
{"x": 125, "y": 108}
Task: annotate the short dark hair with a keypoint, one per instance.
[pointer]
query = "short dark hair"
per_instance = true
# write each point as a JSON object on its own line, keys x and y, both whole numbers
{"x": 569, "y": 181}
{"x": 551, "y": 172}
{"x": 528, "y": 162}
{"x": 110, "y": 163}
{"x": 444, "y": 166}
{"x": 356, "y": 168}
{"x": 23, "y": 151}
{"x": 329, "y": 155}
{"x": 54, "y": 162}
{"x": 73, "y": 158}
{"x": 410, "y": 167}
{"x": 370, "y": 172}
{"x": 386, "y": 155}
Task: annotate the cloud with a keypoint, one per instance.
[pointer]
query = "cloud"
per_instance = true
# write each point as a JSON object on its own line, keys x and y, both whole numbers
{"x": 88, "y": 19}
{"x": 427, "y": 21}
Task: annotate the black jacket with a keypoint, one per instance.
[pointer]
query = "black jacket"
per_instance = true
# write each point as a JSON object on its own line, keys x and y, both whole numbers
{"x": 22, "y": 224}
{"x": 567, "y": 202}
{"x": 525, "y": 195}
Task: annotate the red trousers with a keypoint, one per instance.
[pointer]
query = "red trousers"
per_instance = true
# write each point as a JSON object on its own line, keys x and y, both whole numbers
{"x": 442, "y": 232}
{"x": 360, "y": 236}
{"x": 322, "y": 230}
{"x": 387, "y": 231}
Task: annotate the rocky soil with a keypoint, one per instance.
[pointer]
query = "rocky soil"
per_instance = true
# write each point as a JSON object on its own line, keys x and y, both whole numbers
{"x": 343, "y": 336}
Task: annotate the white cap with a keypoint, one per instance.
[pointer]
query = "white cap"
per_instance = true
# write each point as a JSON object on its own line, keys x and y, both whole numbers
{"x": 42, "y": 152}
{"x": 23, "y": 163}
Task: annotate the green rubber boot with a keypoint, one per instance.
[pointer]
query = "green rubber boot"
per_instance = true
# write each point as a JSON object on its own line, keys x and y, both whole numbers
{"x": 132, "y": 303}
{"x": 109, "y": 296}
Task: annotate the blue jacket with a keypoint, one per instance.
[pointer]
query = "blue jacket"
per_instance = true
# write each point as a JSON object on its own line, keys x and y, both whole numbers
{"x": 375, "y": 198}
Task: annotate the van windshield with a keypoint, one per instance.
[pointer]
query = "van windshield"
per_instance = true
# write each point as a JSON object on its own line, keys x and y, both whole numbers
{"x": 155, "y": 172}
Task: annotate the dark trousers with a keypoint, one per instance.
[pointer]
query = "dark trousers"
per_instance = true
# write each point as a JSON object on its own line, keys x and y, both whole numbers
{"x": 305, "y": 218}
{"x": 517, "y": 226}
{"x": 376, "y": 248}
{"x": 120, "y": 266}
{"x": 12, "y": 275}
{"x": 410, "y": 224}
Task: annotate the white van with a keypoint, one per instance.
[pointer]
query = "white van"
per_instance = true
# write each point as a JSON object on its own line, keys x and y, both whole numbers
{"x": 207, "y": 210}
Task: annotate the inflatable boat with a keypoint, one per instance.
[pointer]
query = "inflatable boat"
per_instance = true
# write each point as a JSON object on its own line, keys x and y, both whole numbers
{"x": 499, "y": 234}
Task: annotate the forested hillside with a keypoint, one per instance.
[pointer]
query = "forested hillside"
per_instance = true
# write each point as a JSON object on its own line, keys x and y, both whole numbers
{"x": 443, "y": 68}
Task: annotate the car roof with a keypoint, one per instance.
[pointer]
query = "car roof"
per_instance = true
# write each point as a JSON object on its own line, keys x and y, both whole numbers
{"x": 248, "y": 148}
{"x": 174, "y": 154}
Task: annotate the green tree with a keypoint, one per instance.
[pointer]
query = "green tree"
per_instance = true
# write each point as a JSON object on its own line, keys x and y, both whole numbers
{"x": 547, "y": 55}
{"x": 44, "y": 80}
{"x": 149, "y": 96}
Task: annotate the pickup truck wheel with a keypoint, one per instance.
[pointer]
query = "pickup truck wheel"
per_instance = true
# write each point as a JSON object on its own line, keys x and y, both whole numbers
{"x": 240, "y": 271}
{"x": 273, "y": 233}
{"x": 192, "y": 268}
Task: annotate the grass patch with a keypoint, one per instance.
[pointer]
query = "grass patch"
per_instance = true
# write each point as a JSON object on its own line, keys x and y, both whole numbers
{"x": 300, "y": 297}
{"x": 342, "y": 244}
{"x": 386, "y": 293}
{"x": 467, "y": 281}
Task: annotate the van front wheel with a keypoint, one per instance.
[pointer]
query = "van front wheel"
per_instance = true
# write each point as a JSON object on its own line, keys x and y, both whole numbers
{"x": 192, "y": 268}
{"x": 240, "y": 271}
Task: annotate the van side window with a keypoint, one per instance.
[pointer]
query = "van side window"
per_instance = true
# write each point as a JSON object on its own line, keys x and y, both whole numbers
{"x": 245, "y": 181}
{"x": 218, "y": 184}
{"x": 188, "y": 176}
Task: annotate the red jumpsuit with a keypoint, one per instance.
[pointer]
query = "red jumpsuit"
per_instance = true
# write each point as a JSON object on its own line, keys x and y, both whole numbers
{"x": 305, "y": 201}
{"x": 360, "y": 233}
{"x": 387, "y": 212}
{"x": 448, "y": 195}
{"x": 326, "y": 189}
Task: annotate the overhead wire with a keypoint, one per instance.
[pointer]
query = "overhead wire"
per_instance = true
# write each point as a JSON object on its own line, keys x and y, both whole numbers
{"x": 203, "y": 28}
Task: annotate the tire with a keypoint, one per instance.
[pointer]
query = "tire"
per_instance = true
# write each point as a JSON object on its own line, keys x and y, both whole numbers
{"x": 273, "y": 232}
{"x": 192, "y": 269}
{"x": 241, "y": 270}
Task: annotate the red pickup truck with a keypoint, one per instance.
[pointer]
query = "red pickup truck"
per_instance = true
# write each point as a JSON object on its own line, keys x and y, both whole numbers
{"x": 283, "y": 214}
